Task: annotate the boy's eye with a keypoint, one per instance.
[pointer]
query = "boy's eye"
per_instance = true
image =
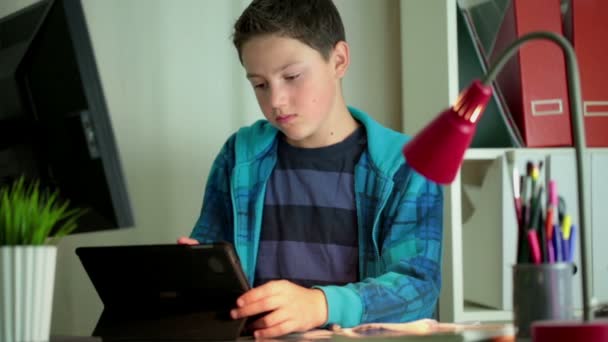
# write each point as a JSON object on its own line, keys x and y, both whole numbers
{"x": 259, "y": 85}
{"x": 292, "y": 77}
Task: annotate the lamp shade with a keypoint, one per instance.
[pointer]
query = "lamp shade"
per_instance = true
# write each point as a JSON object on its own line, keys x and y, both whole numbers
{"x": 438, "y": 150}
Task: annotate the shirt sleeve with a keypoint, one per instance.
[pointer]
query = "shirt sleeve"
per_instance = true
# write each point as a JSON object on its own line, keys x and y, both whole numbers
{"x": 215, "y": 222}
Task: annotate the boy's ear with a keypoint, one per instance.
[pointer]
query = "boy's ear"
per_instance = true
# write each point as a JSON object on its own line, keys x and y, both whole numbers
{"x": 340, "y": 58}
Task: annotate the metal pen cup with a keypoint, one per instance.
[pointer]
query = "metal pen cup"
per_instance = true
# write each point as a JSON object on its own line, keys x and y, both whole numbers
{"x": 541, "y": 292}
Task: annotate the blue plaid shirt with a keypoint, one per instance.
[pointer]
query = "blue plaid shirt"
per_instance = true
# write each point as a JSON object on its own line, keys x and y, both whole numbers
{"x": 399, "y": 222}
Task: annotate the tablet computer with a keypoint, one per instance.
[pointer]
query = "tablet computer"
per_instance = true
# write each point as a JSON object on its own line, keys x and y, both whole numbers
{"x": 166, "y": 292}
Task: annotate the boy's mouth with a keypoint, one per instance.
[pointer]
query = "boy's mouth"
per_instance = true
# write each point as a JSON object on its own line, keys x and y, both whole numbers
{"x": 285, "y": 118}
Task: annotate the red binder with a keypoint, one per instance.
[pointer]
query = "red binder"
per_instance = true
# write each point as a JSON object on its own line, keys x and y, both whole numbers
{"x": 587, "y": 28}
{"x": 533, "y": 83}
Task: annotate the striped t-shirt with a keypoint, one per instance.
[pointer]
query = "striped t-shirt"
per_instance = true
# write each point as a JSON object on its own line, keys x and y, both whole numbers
{"x": 309, "y": 228}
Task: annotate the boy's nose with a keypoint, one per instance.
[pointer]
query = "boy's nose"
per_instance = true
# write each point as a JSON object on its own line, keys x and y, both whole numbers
{"x": 277, "y": 97}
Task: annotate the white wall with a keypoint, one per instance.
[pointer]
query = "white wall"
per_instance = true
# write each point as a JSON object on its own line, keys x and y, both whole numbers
{"x": 373, "y": 82}
{"x": 175, "y": 91}
{"x": 429, "y": 60}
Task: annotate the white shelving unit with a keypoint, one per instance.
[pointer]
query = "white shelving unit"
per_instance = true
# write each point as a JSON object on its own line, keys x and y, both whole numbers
{"x": 430, "y": 84}
{"x": 452, "y": 306}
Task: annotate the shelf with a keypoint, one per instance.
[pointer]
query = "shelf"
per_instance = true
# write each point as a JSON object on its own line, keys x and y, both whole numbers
{"x": 474, "y": 313}
{"x": 491, "y": 153}
{"x": 484, "y": 153}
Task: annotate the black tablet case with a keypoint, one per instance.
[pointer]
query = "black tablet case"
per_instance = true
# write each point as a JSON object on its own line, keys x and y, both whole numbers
{"x": 166, "y": 292}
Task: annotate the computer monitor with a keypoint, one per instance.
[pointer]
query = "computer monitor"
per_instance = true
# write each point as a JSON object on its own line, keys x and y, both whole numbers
{"x": 54, "y": 122}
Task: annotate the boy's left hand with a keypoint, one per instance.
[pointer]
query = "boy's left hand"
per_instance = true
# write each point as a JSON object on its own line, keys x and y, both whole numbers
{"x": 290, "y": 308}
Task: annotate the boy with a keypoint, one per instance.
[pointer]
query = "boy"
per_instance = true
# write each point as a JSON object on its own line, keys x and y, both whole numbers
{"x": 329, "y": 222}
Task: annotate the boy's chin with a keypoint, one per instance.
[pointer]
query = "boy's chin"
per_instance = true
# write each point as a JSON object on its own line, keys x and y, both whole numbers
{"x": 290, "y": 138}
{"x": 293, "y": 135}
{"x": 296, "y": 136}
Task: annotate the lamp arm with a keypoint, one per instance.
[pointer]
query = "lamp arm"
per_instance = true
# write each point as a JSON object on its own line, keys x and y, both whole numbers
{"x": 574, "y": 90}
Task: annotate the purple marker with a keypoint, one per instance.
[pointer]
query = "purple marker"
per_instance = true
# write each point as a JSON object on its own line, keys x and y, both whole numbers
{"x": 565, "y": 248}
{"x": 571, "y": 243}
{"x": 551, "y": 253}
{"x": 556, "y": 241}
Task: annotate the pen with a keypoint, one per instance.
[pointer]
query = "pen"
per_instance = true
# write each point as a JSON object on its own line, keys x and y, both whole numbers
{"x": 536, "y": 209}
{"x": 523, "y": 247}
{"x": 542, "y": 240}
{"x": 534, "y": 249}
{"x": 516, "y": 194}
{"x": 525, "y": 205}
{"x": 571, "y": 243}
{"x": 534, "y": 213}
{"x": 529, "y": 194}
{"x": 561, "y": 208}
{"x": 535, "y": 175}
{"x": 565, "y": 248}
{"x": 566, "y": 226}
{"x": 551, "y": 208}
{"x": 557, "y": 244}
{"x": 538, "y": 225}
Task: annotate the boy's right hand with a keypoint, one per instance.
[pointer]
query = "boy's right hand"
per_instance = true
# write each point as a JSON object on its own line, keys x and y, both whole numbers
{"x": 186, "y": 241}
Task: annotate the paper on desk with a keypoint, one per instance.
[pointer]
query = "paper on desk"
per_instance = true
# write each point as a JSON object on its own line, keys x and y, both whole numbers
{"x": 427, "y": 330}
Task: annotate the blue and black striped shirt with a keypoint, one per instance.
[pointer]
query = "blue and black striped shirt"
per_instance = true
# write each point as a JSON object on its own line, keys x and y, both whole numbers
{"x": 309, "y": 227}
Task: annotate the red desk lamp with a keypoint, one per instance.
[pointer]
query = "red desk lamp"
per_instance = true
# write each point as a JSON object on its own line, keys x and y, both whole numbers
{"x": 438, "y": 151}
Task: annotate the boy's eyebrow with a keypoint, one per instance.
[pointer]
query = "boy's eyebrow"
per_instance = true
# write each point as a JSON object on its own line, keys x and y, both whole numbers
{"x": 281, "y": 68}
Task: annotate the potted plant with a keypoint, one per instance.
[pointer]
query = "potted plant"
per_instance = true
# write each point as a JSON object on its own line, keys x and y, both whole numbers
{"x": 28, "y": 217}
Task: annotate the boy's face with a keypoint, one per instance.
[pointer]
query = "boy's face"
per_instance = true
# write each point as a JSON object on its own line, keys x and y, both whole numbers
{"x": 296, "y": 88}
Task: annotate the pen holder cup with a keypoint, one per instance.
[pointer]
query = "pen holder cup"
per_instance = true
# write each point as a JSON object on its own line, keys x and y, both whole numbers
{"x": 541, "y": 292}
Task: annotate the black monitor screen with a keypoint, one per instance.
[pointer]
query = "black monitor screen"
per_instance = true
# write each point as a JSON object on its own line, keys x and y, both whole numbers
{"x": 54, "y": 123}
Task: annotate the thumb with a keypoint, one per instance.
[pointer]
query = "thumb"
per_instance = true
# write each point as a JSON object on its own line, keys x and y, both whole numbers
{"x": 186, "y": 241}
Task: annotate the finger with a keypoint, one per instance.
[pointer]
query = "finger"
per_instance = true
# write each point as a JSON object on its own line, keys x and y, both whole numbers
{"x": 277, "y": 330}
{"x": 269, "y": 320}
{"x": 186, "y": 241}
{"x": 269, "y": 289}
{"x": 263, "y": 305}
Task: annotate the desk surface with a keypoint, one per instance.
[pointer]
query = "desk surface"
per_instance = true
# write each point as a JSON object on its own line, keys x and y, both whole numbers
{"x": 422, "y": 330}
{"x": 293, "y": 338}
{"x": 325, "y": 335}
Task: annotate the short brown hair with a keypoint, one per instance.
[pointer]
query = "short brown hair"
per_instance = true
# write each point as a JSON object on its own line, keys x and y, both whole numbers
{"x": 315, "y": 23}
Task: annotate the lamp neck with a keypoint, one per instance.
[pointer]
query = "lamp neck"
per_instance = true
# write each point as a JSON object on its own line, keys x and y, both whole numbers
{"x": 574, "y": 90}
{"x": 472, "y": 102}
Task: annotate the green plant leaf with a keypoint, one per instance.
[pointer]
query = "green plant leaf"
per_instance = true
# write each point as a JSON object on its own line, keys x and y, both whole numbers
{"x": 29, "y": 214}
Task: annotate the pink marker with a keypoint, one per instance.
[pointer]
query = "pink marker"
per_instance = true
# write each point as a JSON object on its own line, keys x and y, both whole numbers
{"x": 534, "y": 246}
{"x": 551, "y": 209}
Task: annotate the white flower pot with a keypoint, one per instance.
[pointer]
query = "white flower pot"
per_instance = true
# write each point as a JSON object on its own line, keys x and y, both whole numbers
{"x": 27, "y": 279}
